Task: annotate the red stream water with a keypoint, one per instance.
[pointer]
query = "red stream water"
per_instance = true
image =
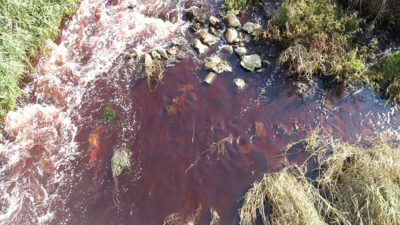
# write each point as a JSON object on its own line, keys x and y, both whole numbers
{"x": 170, "y": 172}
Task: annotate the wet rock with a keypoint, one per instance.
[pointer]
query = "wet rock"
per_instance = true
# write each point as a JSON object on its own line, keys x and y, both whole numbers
{"x": 250, "y": 27}
{"x": 148, "y": 64}
{"x": 213, "y": 20}
{"x": 133, "y": 54}
{"x": 173, "y": 50}
{"x": 266, "y": 63}
{"x": 216, "y": 64}
{"x": 195, "y": 27}
{"x": 208, "y": 38}
{"x": 251, "y": 62}
{"x": 191, "y": 14}
{"x": 200, "y": 47}
{"x": 210, "y": 78}
{"x": 240, "y": 85}
{"x": 260, "y": 129}
{"x": 155, "y": 55}
{"x": 163, "y": 53}
{"x": 119, "y": 161}
{"x": 227, "y": 48}
{"x": 231, "y": 35}
{"x": 232, "y": 20}
{"x": 240, "y": 51}
{"x": 181, "y": 55}
{"x": 247, "y": 38}
{"x": 201, "y": 19}
{"x": 173, "y": 17}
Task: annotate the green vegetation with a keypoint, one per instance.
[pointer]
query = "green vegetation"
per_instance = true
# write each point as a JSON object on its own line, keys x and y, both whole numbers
{"x": 384, "y": 13}
{"x": 319, "y": 38}
{"x": 24, "y": 24}
{"x": 355, "y": 185}
{"x": 238, "y": 5}
{"x": 386, "y": 75}
{"x": 108, "y": 114}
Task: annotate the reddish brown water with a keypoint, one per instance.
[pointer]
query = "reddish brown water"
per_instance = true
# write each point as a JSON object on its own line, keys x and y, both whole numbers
{"x": 61, "y": 113}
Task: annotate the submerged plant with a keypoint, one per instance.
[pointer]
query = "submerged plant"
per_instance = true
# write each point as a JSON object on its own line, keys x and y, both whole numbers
{"x": 108, "y": 114}
{"x": 119, "y": 162}
{"x": 355, "y": 185}
{"x": 217, "y": 148}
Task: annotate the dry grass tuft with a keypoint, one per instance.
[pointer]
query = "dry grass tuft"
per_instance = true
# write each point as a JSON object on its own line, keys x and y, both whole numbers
{"x": 356, "y": 185}
{"x": 286, "y": 199}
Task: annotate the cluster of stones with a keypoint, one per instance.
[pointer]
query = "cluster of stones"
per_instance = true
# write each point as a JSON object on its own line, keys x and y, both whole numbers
{"x": 235, "y": 36}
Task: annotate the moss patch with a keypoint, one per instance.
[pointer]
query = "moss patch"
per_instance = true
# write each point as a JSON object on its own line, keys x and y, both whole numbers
{"x": 108, "y": 114}
{"x": 386, "y": 75}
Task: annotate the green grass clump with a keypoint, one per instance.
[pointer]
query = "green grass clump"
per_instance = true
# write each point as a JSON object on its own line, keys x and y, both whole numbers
{"x": 355, "y": 185}
{"x": 384, "y": 13}
{"x": 24, "y": 24}
{"x": 108, "y": 115}
{"x": 238, "y": 5}
{"x": 319, "y": 38}
{"x": 386, "y": 75}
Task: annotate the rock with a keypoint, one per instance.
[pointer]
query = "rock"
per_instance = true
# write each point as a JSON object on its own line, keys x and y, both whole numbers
{"x": 202, "y": 19}
{"x": 231, "y": 35}
{"x": 203, "y": 34}
{"x": 195, "y": 27}
{"x": 240, "y": 51}
{"x": 260, "y": 129}
{"x": 133, "y": 54}
{"x": 247, "y": 38}
{"x": 173, "y": 50}
{"x": 240, "y": 85}
{"x": 251, "y": 62}
{"x": 210, "y": 78}
{"x": 232, "y": 20}
{"x": 266, "y": 63}
{"x": 119, "y": 161}
{"x": 250, "y": 27}
{"x": 227, "y": 48}
{"x": 173, "y": 17}
{"x": 148, "y": 64}
{"x": 200, "y": 47}
{"x": 213, "y": 20}
{"x": 216, "y": 64}
{"x": 191, "y": 14}
{"x": 208, "y": 38}
{"x": 163, "y": 53}
{"x": 155, "y": 54}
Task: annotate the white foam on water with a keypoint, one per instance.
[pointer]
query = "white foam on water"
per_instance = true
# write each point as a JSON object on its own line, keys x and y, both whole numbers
{"x": 36, "y": 155}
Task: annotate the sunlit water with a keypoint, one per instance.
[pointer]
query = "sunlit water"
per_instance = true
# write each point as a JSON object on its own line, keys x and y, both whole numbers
{"x": 46, "y": 177}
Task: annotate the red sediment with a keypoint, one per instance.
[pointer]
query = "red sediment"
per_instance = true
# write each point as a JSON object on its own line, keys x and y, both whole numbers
{"x": 94, "y": 147}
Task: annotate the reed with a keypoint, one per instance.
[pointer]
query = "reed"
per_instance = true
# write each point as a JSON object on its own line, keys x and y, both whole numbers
{"x": 24, "y": 25}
